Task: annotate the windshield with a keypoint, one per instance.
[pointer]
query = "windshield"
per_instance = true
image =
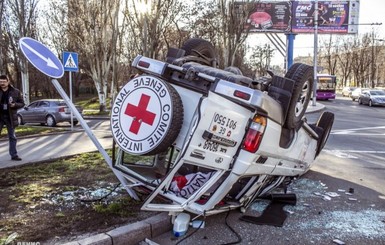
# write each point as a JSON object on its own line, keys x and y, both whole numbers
{"x": 377, "y": 92}
{"x": 326, "y": 83}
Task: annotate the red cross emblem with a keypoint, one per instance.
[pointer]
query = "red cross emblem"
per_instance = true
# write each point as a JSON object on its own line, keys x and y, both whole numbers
{"x": 140, "y": 114}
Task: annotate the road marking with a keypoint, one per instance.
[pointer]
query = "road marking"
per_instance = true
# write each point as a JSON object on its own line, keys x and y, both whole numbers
{"x": 345, "y": 153}
{"x": 355, "y": 131}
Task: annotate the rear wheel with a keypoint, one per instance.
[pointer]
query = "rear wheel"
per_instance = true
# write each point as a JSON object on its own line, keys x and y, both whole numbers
{"x": 20, "y": 120}
{"x": 50, "y": 121}
{"x": 303, "y": 76}
{"x": 325, "y": 122}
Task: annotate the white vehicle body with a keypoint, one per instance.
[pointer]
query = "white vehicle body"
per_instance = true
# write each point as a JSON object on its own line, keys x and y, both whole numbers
{"x": 232, "y": 145}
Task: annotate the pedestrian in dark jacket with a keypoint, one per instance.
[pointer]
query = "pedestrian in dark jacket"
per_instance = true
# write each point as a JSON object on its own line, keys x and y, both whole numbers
{"x": 10, "y": 100}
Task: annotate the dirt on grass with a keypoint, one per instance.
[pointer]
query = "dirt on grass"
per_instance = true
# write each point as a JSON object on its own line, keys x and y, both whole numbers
{"x": 56, "y": 202}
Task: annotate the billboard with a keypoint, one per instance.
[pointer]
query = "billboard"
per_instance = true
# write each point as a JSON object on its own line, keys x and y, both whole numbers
{"x": 338, "y": 16}
{"x": 269, "y": 16}
{"x": 333, "y": 17}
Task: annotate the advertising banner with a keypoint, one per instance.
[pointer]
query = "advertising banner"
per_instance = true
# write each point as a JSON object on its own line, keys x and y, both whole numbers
{"x": 333, "y": 16}
{"x": 269, "y": 17}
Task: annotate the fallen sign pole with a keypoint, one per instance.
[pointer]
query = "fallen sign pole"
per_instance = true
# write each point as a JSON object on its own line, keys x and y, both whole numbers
{"x": 91, "y": 135}
{"x": 47, "y": 62}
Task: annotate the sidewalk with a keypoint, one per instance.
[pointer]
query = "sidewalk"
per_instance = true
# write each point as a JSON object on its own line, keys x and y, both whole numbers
{"x": 48, "y": 147}
{"x": 318, "y": 107}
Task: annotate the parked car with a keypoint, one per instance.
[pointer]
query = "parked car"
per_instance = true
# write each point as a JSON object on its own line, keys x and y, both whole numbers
{"x": 347, "y": 91}
{"x": 47, "y": 112}
{"x": 372, "y": 97}
{"x": 356, "y": 93}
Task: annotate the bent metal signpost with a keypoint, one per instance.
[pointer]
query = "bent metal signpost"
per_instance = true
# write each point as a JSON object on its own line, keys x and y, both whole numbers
{"x": 46, "y": 62}
{"x": 141, "y": 115}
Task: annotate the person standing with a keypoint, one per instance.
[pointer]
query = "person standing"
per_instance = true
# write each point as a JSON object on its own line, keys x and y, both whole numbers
{"x": 10, "y": 100}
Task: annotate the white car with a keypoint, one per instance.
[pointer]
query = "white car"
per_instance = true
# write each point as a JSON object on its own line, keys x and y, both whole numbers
{"x": 205, "y": 140}
{"x": 347, "y": 91}
{"x": 356, "y": 93}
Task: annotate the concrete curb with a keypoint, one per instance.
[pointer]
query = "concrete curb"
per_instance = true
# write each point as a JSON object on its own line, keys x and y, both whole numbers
{"x": 130, "y": 234}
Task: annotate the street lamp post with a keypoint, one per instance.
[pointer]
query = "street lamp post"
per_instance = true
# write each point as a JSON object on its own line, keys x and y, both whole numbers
{"x": 315, "y": 51}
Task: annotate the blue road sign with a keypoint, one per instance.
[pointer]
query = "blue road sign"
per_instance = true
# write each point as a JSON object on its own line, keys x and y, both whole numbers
{"x": 41, "y": 57}
{"x": 70, "y": 61}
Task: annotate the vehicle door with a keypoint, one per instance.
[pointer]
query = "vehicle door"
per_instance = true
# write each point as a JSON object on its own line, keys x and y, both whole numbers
{"x": 29, "y": 112}
{"x": 41, "y": 111}
{"x": 365, "y": 97}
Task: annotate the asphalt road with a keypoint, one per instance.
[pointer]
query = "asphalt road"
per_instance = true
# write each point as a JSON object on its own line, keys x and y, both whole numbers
{"x": 353, "y": 159}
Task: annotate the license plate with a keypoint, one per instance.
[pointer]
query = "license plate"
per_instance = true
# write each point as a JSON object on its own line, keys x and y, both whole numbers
{"x": 222, "y": 125}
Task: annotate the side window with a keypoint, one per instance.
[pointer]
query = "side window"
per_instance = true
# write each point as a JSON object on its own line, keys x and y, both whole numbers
{"x": 33, "y": 105}
{"x": 44, "y": 104}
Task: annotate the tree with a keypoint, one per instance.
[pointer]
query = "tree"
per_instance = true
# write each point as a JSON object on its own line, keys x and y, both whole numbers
{"x": 93, "y": 28}
{"x": 361, "y": 60}
{"x": 344, "y": 58}
{"x": 260, "y": 59}
{"x": 20, "y": 22}
{"x": 232, "y": 32}
{"x": 329, "y": 53}
{"x": 221, "y": 22}
{"x": 151, "y": 25}
{"x": 3, "y": 60}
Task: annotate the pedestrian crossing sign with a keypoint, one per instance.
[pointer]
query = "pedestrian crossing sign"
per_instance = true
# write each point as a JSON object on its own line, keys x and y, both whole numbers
{"x": 70, "y": 61}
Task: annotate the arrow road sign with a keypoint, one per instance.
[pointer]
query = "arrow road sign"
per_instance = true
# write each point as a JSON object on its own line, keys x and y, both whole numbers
{"x": 41, "y": 57}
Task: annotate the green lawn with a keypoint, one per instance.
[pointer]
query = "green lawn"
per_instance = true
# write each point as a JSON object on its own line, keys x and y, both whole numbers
{"x": 30, "y": 130}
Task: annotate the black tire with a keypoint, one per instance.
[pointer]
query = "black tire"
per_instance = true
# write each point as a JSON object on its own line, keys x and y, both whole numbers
{"x": 370, "y": 103}
{"x": 292, "y": 69}
{"x": 234, "y": 70}
{"x": 50, "y": 121}
{"x": 359, "y": 101}
{"x": 303, "y": 76}
{"x": 176, "y": 122}
{"x": 325, "y": 122}
{"x": 20, "y": 120}
{"x": 75, "y": 123}
{"x": 198, "y": 47}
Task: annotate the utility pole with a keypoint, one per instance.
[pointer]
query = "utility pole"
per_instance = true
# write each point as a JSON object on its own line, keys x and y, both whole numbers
{"x": 315, "y": 51}
{"x": 373, "y": 65}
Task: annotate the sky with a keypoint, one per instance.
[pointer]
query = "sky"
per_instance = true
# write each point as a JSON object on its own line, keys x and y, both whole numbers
{"x": 371, "y": 11}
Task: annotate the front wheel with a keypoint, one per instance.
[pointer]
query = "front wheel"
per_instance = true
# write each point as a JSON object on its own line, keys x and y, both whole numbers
{"x": 325, "y": 122}
{"x": 50, "y": 121}
{"x": 359, "y": 101}
{"x": 370, "y": 103}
